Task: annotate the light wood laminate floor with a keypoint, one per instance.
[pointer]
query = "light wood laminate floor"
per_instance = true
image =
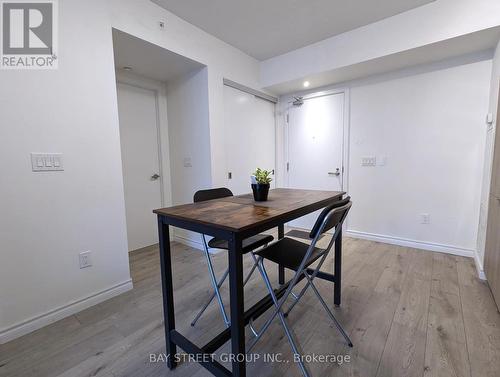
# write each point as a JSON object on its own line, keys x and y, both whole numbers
{"x": 409, "y": 313}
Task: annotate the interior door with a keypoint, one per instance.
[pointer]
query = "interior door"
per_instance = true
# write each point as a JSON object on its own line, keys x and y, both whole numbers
{"x": 492, "y": 247}
{"x": 249, "y": 125}
{"x": 315, "y": 147}
{"x": 137, "y": 108}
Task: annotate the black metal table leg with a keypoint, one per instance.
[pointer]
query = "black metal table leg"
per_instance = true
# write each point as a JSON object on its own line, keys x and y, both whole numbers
{"x": 281, "y": 269}
{"x": 337, "y": 269}
{"x": 237, "y": 306}
{"x": 168, "y": 291}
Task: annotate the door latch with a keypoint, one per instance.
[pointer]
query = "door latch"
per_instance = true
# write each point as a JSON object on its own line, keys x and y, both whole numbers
{"x": 336, "y": 172}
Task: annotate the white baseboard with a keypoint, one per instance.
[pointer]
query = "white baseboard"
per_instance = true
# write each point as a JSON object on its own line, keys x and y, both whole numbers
{"x": 188, "y": 242}
{"x": 448, "y": 249}
{"x": 55, "y": 315}
{"x": 479, "y": 267}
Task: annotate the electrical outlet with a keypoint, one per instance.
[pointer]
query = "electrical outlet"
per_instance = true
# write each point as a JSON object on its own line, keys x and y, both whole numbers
{"x": 85, "y": 259}
{"x": 425, "y": 218}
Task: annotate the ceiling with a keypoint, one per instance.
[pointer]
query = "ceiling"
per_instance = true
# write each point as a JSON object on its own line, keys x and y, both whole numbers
{"x": 267, "y": 28}
{"x": 475, "y": 46}
{"x": 149, "y": 60}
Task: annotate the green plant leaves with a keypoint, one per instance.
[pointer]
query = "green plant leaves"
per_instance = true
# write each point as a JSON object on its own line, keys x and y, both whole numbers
{"x": 262, "y": 176}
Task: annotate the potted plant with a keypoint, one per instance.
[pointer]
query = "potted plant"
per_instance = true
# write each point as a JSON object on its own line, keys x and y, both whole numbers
{"x": 260, "y": 184}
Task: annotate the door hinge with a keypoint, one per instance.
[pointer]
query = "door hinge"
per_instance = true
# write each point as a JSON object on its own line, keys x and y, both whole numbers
{"x": 229, "y": 175}
{"x": 287, "y": 166}
{"x": 288, "y": 118}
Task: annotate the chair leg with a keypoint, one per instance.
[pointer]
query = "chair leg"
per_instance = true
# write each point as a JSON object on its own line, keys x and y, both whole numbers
{"x": 268, "y": 322}
{"x": 292, "y": 344}
{"x": 330, "y": 314}
{"x": 202, "y": 310}
{"x": 250, "y": 273}
{"x": 215, "y": 283}
{"x": 297, "y": 298}
{"x": 214, "y": 294}
{"x": 288, "y": 333}
{"x": 252, "y": 328}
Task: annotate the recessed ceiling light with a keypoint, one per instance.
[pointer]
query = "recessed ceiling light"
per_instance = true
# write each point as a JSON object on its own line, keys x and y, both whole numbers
{"x": 127, "y": 68}
{"x": 306, "y": 84}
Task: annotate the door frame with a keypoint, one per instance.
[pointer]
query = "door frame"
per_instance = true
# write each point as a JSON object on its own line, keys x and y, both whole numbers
{"x": 287, "y": 104}
{"x": 160, "y": 92}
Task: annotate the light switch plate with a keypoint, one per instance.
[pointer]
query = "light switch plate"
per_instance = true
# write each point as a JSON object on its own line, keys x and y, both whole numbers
{"x": 47, "y": 162}
{"x": 369, "y": 161}
{"x": 381, "y": 160}
{"x": 187, "y": 162}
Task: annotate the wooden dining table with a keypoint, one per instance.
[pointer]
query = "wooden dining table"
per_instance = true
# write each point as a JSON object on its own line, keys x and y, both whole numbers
{"x": 234, "y": 219}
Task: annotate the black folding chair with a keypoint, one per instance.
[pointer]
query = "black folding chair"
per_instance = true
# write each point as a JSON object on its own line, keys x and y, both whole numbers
{"x": 298, "y": 256}
{"x": 250, "y": 244}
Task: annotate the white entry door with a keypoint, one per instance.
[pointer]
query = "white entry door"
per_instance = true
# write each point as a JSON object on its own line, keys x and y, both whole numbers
{"x": 137, "y": 110}
{"x": 315, "y": 147}
{"x": 249, "y": 126}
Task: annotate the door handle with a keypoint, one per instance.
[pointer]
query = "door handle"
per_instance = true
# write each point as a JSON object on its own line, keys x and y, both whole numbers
{"x": 336, "y": 172}
{"x": 155, "y": 176}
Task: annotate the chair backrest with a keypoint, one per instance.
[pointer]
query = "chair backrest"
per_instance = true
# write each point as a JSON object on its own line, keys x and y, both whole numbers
{"x": 332, "y": 216}
{"x": 216, "y": 193}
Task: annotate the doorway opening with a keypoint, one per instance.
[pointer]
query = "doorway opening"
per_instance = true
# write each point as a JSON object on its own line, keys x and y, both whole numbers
{"x": 150, "y": 145}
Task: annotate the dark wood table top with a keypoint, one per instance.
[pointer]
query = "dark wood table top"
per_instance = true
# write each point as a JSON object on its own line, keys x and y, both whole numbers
{"x": 240, "y": 213}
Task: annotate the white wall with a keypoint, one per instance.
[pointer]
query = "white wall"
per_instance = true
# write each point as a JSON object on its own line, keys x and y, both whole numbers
{"x": 48, "y": 218}
{"x": 430, "y": 126}
{"x": 140, "y": 18}
{"x": 490, "y": 137}
{"x": 187, "y": 108}
{"x": 422, "y": 26}
{"x": 428, "y": 121}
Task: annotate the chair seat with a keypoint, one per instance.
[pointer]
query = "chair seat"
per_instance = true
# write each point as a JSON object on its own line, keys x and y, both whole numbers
{"x": 249, "y": 244}
{"x": 289, "y": 253}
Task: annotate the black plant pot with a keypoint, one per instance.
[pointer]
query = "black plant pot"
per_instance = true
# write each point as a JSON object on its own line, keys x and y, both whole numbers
{"x": 260, "y": 192}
